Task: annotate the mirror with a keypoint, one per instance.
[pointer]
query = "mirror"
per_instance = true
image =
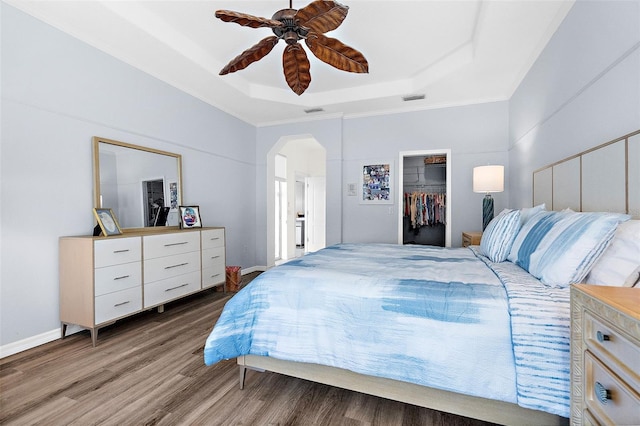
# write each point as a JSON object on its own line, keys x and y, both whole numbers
{"x": 143, "y": 186}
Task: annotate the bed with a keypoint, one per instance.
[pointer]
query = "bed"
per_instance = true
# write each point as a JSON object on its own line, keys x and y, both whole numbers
{"x": 482, "y": 332}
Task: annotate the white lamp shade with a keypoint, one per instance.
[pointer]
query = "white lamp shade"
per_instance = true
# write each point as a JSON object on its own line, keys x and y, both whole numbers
{"x": 488, "y": 179}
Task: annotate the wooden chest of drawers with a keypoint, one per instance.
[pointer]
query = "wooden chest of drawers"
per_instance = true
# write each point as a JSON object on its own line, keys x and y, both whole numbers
{"x": 605, "y": 355}
{"x": 103, "y": 279}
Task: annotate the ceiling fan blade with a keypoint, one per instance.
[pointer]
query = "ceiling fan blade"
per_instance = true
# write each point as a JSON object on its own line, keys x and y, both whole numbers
{"x": 321, "y": 16}
{"x": 337, "y": 54}
{"x": 246, "y": 20}
{"x": 296, "y": 68}
{"x": 251, "y": 55}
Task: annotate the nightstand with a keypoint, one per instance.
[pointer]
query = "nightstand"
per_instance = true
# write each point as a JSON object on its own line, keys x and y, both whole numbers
{"x": 471, "y": 238}
{"x": 605, "y": 355}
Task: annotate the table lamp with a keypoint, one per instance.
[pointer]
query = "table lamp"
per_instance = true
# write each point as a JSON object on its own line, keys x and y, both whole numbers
{"x": 488, "y": 179}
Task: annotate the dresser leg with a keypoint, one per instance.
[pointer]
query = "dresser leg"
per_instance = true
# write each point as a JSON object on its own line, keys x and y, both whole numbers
{"x": 94, "y": 336}
{"x": 63, "y": 330}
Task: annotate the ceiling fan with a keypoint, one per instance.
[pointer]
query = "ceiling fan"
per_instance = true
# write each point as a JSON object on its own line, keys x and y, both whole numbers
{"x": 308, "y": 24}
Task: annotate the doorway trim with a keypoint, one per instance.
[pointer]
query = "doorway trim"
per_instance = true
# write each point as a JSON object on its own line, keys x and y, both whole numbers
{"x": 420, "y": 153}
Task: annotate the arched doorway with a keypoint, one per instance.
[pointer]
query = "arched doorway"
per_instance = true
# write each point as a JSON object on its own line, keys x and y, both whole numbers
{"x": 305, "y": 162}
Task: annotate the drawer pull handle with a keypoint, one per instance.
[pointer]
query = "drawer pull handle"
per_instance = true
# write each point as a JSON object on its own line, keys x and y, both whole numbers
{"x": 216, "y": 238}
{"x": 177, "y": 287}
{"x": 120, "y": 304}
{"x": 215, "y": 275}
{"x": 602, "y": 337}
{"x": 121, "y": 251}
{"x": 602, "y": 393}
{"x": 176, "y": 266}
{"x": 176, "y": 244}
{"x": 121, "y": 278}
{"x": 215, "y": 257}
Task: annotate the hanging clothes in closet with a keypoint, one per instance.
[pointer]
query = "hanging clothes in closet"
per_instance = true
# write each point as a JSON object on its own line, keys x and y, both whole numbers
{"x": 425, "y": 209}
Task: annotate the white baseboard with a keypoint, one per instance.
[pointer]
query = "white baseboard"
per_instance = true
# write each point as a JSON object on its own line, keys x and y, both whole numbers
{"x": 29, "y": 343}
{"x": 253, "y": 269}
{"x": 49, "y": 336}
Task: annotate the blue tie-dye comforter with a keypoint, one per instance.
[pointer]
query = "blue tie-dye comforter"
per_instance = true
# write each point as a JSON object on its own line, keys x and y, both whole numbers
{"x": 427, "y": 315}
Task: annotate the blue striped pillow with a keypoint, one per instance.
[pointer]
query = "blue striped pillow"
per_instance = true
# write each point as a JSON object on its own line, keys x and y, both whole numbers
{"x": 560, "y": 248}
{"x": 499, "y": 235}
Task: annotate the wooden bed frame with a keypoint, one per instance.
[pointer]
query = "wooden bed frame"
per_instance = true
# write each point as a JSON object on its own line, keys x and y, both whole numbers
{"x": 464, "y": 405}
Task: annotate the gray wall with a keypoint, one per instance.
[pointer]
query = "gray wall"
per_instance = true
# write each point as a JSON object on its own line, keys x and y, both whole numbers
{"x": 57, "y": 93}
{"x": 583, "y": 90}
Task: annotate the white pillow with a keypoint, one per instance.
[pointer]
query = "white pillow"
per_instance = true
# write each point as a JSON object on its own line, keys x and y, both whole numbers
{"x": 527, "y": 213}
{"x": 560, "y": 248}
{"x": 620, "y": 263}
{"x": 499, "y": 235}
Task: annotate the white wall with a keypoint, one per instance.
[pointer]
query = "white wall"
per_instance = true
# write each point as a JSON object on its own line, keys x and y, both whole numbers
{"x": 57, "y": 93}
{"x": 270, "y": 139}
{"x": 583, "y": 90}
{"x": 477, "y": 135}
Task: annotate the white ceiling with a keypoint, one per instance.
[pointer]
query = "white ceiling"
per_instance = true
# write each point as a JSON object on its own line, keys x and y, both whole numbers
{"x": 455, "y": 52}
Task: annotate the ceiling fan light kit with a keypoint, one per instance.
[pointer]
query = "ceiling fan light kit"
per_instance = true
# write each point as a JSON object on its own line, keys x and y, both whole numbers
{"x": 291, "y": 25}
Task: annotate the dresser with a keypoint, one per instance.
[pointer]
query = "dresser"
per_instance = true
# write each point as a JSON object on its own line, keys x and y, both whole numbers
{"x": 605, "y": 355}
{"x": 104, "y": 279}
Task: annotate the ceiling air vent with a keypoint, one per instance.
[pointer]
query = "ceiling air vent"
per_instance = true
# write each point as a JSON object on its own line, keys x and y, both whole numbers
{"x": 312, "y": 110}
{"x": 412, "y": 98}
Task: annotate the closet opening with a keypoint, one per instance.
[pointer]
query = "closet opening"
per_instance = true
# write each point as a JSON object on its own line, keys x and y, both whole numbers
{"x": 424, "y": 216}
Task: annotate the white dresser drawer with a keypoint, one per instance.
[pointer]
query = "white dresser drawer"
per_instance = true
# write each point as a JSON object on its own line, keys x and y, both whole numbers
{"x": 212, "y": 238}
{"x": 170, "y": 244}
{"x": 115, "y": 305}
{"x": 213, "y": 257}
{"x": 163, "y": 291}
{"x": 166, "y": 267}
{"x": 613, "y": 347}
{"x": 212, "y": 276}
{"x": 116, "y": 251}
{"x": 118, "y": 277}
{"x": 622, "y": 404}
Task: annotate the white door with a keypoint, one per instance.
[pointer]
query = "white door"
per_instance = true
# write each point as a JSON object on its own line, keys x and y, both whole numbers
{"x": 315, "y": 213}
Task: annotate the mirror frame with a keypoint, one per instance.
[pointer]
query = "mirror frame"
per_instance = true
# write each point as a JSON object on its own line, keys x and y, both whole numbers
{"x": 96, "y": 176}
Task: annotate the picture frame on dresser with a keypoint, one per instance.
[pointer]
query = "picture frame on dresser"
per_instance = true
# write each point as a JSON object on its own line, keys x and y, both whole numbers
{"x": 107, "y": 221}
{"x": 190, "y": 217}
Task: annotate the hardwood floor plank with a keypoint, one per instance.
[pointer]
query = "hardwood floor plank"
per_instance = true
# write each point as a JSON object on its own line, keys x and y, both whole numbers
{"x": 149, "y": 370}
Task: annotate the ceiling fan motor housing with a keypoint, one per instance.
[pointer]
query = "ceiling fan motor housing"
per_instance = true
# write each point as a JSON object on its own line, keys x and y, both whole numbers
{"x": 290, "y": 31}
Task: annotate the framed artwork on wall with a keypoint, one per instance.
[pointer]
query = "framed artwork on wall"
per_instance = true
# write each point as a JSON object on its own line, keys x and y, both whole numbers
{"x": 375, "y": 183}
{"x": 190, "y": 217}
{"x": 107, "y": 222}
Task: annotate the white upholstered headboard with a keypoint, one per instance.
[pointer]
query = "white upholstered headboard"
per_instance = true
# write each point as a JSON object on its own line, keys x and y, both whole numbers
{"x": 604, "y": 178}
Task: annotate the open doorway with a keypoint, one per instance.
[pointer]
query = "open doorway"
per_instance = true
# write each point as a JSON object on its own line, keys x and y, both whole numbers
{"x": 153, "y": 199}
{"x": 426, "y": 175}
{"x": 305, "y": 230}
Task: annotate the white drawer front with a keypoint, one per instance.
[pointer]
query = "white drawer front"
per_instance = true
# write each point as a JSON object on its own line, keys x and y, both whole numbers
{"x": 622, "y": 407}
{"x": 213, "y": 257}
{"x": 166, "y": 267}
{"x": 118, "y": 277}
{"x": 170, "y": 244}
{"x": 163, "y": 291}
{"x": 212, "y": 238}
{"x": 212, "y": 276}
{"x": 116, "y": 251}
{"x": 115, "y": 305}
{"x": 608, "y": 342}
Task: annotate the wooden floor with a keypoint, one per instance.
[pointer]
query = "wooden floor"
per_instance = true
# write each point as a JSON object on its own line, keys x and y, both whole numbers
{"x": 149, "y": 370}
